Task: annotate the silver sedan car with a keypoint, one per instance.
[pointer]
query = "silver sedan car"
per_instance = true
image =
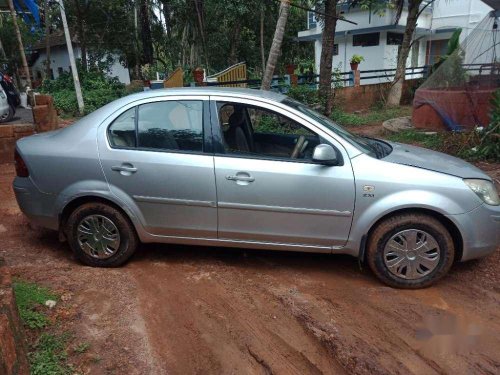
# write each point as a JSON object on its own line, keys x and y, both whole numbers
{"x": 253, "y": 169}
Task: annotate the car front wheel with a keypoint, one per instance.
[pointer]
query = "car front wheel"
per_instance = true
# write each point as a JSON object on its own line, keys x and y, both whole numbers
{"x": 410, "y": 251}
{"x": 100, "y": 235}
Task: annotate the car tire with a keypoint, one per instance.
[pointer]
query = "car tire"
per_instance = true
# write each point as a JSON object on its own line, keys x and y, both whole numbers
{"x": 100, "y": 235}
{"x": 421, "y": 264}
{"x": 9, "y": 116}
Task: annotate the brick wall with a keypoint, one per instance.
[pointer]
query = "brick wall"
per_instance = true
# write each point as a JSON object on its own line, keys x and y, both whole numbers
{"x": 13, "y": 359}
{"x": 364, "y": 97}
{"x": 9, "y": 134}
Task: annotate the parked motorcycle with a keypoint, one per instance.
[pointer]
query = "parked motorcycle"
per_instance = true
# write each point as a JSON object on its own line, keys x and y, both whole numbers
{"x": 13, "y": 97}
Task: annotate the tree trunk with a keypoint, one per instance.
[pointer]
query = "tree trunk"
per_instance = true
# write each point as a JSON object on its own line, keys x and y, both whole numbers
{"x": 275, "y": 50}
{"x": 20, "y": 43}
{"x": 325, "y": 65}
{"x": 47, "y": 41}
{"x": 166, "y": 15}
{"x": 201, "y": 25}
{"x": 396, "y": 90}
{"x": 80, "y": 18}
{"x": 235, "y": 42}
{"x": 147, "y": 41}
{"x": 262, "y": 50}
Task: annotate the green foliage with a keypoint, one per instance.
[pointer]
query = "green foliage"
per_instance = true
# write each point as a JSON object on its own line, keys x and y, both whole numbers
{"x": 305, "y": 95}
{"x": 375, "y": 115}
{"x": 30, "y": 298}
{"x": 488, "y": 140}
{"x": 81, "y": 348}
{"x": 433, "y": 141}
{"x": 49, "y": 356}
{"x": 356, "y": 59}
{"x": 97, "y": 90}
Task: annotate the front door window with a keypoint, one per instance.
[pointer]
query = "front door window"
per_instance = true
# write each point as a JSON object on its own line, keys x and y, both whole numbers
{"x": 259, "y": 132}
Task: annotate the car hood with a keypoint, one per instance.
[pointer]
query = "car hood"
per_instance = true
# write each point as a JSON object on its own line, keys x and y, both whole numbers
{"x": 433, "y": 160}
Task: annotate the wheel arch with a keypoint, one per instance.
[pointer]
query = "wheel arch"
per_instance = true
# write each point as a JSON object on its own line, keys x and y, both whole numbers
{"x": 80, "y": 200}
{"x": 448, "y": 224}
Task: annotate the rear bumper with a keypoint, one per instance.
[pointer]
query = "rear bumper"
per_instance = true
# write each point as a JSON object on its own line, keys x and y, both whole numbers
{"x": 37, "y": 206}
{"x": 480, "y": 229}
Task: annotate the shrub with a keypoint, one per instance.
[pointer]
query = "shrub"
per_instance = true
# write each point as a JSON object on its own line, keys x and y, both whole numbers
{"x": 97, "y": 90}
{"x": 305, "y": 95}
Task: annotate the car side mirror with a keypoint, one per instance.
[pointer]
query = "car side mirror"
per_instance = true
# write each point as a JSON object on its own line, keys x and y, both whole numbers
{"x": 325, "y": 154}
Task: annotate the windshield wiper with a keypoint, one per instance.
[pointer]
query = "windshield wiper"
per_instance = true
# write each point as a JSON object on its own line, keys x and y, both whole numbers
{"x": 376, "y": 147}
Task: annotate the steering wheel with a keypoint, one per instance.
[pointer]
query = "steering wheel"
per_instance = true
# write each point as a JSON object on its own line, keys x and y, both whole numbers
{"x": 298, "y": 147}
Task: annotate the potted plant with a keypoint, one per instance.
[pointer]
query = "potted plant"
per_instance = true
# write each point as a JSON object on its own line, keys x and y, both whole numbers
{"x": 290, "y": 68}
{"x": 355, "y": 60}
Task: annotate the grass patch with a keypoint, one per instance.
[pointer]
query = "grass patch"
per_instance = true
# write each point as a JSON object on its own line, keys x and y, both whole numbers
{"x": 30, "y": 298}
{"x": 49, "y": 355}
{"x": 81, "y": 348}
{"x": 373, "y": 116}
{"x": 432, "y": 141}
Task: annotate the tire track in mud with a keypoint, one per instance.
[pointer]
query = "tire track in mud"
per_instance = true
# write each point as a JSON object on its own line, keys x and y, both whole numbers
{"x": 235, "y": 329}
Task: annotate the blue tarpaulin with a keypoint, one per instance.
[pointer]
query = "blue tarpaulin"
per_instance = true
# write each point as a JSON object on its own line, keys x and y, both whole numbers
{"x": 29, "y": 10}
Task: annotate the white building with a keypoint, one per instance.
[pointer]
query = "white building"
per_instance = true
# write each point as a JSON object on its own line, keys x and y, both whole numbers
{"x": 377, "y": 38}
{"x": 59, "y": 60}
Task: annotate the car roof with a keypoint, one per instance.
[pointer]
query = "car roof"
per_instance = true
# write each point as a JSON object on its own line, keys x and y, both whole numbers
{"x": 226, "y": 91}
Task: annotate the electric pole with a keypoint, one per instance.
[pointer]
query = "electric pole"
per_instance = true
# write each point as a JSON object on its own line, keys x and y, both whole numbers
{"x": 78, "y": 89}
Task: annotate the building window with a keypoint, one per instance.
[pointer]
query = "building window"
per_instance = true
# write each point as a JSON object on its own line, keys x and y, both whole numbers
{"x": 60, "y": 70}
{"x": 394, "y": 39}
{"x": 415, "y": 51}
{"x": 335, "y": 50}
{"x": 366, "y": 40}
{"x": 435, "y": 48}
{"x": 311, "y": 20}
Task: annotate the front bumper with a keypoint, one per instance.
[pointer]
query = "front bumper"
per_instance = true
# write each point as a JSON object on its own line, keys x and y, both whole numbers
{"x": 37, "y": 206}
{"x": 480, "y": 229}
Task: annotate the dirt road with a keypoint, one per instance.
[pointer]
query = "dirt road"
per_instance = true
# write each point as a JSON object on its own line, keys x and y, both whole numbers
{"x": 196, "y": 310}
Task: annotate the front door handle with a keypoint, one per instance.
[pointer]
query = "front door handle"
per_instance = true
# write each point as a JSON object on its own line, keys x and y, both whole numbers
{"x": 125, "y": 169}
{"x": 240, "y": 178}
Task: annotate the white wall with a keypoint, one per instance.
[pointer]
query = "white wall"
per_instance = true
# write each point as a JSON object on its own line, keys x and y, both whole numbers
{"x": 445, "y": 14}
{"x": 60, "y": 59}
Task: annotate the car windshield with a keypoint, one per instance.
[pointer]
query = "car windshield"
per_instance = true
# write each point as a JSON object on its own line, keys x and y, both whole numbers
{"x": 366, "y": 145}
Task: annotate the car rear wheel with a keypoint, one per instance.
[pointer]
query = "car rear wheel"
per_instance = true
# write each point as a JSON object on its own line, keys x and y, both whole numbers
{"x": 100, "y": 235}
{"x": 410, "y": 251}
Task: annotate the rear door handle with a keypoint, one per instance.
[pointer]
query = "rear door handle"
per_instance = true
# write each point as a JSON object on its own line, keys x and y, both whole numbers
{"x": 125, "y": 169}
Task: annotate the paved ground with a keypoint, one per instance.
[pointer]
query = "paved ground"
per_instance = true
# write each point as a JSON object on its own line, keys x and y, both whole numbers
{"x": 22, "y": 116}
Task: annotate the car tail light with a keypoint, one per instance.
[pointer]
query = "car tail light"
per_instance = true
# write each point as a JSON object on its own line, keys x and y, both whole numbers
{"x": 21, "y": 168}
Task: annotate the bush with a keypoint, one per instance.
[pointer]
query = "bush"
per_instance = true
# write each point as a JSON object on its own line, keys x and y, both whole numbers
{"x": 305, "y": 95}
{"x": 97, "y": 90}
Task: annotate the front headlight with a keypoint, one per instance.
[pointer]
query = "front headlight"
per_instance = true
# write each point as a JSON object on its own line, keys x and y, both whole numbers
{"x": 484, "y": 189}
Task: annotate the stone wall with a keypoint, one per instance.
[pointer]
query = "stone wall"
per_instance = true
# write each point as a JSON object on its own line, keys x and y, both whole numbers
{"x": 13, "y": 358}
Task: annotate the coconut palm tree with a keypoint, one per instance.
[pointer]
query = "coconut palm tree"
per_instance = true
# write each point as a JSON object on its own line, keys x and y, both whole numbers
{"x": 329, "y": 20}
{"x": 275, "y": 50}
{"x": 414, "y": 11}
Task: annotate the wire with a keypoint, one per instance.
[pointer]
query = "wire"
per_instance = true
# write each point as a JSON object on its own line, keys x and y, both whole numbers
{"x": 317, "y": 12}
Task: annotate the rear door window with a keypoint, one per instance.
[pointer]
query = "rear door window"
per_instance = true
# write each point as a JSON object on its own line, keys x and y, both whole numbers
{"x": 122, "y": 130}
{"x": 171, "y": 125}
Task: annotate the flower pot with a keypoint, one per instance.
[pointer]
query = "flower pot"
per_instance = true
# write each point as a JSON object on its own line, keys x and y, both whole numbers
{"x": 354, "y": 66}
{"x": 198, "y": 75}
{"x": 290, "y": 69}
